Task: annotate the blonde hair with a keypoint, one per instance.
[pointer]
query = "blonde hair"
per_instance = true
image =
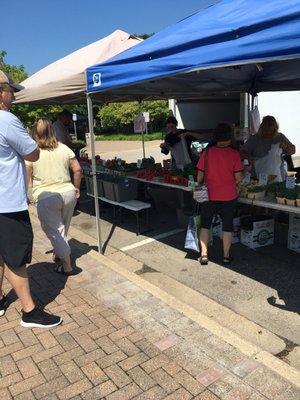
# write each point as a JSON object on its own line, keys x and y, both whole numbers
{"x": 267, "y": 124}
{"x": 43, "y": 134}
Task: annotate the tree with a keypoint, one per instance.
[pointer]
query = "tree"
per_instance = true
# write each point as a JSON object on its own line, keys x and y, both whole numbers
{"x": 28, "y": 113}
{"x": 17, "y": 72}
{"x": 118, "y": 117}
{"x": 114, "y": 117}
{"x": 144, "y": 36}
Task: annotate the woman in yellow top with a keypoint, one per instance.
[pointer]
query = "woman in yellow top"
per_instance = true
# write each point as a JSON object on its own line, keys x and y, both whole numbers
{"x": 53, "y": 190}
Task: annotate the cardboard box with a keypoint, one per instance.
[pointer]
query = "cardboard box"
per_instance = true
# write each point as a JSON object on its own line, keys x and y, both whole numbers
{"x": 261, "y": 235}
{"x": 294, "y": 221}
{"x": 294, "y": 233}
{"x": 217, "y": 229}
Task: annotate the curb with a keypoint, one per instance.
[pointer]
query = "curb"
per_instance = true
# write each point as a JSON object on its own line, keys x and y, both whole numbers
{"x": 267, "y": 359}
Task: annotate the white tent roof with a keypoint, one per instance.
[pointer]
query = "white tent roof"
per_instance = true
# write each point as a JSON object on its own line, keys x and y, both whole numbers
{"x": 64, "y": 80}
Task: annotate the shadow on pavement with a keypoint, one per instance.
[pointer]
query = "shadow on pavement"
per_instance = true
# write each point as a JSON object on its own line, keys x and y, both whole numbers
{"x": 274, "y": 266}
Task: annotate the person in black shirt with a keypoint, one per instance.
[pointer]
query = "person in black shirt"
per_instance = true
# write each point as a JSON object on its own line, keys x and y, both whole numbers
{"x": 173, "y": 137}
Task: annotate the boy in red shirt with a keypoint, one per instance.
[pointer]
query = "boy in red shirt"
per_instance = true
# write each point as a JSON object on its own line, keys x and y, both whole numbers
{"x": 220, "y": 167}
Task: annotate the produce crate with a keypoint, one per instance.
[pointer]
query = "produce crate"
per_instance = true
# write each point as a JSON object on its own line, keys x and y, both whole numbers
{"x": 100, "y": 188}
{"x": 125, "y": 190}
{"x": 109, "y": 190}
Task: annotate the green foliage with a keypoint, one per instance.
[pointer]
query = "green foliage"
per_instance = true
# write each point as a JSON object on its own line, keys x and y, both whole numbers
{"x": 115, "y": 117}
{"x": 16, "y": 72}
{"x": 129, "y": 136}
{"x": 256, "y": 189}
{"x": 291, "y": 194}
{"x": 144, "y": 36}
{"x": 28, "y": 113}
{"x": 119, "y": 116}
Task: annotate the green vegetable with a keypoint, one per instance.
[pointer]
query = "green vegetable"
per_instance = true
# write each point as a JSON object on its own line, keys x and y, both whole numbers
{"x": 291, "y": 194}
{"x": 256, "y": 189}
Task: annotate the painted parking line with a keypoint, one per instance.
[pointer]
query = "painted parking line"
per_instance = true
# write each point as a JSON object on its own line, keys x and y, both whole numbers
{"x": 150, "y": 240}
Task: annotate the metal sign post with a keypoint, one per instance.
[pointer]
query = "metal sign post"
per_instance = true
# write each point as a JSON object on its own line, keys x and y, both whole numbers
{"x": 139, "y": 127}
{"x": 74, "y": 117}
{"x": 146, "y": 116}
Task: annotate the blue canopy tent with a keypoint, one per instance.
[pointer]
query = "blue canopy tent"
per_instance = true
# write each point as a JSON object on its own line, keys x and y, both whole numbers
{"x": 230, "y": 46}
{"x": 233, "y": 45}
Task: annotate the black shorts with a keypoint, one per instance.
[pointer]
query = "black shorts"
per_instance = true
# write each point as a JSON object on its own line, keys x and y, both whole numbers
{"x": 225, "y": 209}
{"x": 16, "y": 239}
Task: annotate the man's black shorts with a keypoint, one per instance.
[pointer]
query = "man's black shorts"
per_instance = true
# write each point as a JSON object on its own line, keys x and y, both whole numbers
{"x": 16, "y": 239}
{"x": 225, "y": 209}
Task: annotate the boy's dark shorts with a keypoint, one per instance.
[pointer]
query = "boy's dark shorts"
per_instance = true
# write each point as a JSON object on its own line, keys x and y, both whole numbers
{"x": 16, "y": 239}
{"x": 226, "y": 210}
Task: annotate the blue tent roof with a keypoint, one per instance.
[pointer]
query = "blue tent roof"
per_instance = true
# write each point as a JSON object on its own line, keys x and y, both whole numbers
{"x": 233, "y": 45}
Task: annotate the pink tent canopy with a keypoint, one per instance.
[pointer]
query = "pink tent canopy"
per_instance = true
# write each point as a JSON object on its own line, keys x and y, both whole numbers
{"x": 64, "y": 81}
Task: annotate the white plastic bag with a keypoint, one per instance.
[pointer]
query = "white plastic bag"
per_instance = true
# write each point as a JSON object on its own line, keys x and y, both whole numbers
{"x": 191, "y": 239}
{"x": 271, "y": 163}
{"x": 180, "y": 153}
{"x": 254, "y": 120}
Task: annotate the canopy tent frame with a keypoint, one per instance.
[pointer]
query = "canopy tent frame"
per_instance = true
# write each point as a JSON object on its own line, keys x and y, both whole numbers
{"x": 222, "y": 48}
{"x": 94, "y": 170}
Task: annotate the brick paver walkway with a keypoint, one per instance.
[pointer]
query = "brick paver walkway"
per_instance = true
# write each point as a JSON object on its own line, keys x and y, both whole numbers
{"x": 118, "y": 342}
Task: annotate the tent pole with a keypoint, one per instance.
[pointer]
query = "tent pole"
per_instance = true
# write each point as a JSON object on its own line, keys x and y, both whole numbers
{"x": 95, "y": 187}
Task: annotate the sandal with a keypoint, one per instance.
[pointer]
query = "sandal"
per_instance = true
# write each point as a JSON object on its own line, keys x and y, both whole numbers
{"x": 203, "y": 260}
{"x": 227, "y": 260}
{"x": 60, "y": 270}
{"x": 56, "y": 259}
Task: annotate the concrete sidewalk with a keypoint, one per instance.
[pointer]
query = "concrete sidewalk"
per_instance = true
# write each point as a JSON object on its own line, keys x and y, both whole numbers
{"x": 118, "y": 341}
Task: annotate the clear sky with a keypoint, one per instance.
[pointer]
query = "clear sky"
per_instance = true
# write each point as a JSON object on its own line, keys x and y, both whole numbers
{"x": 37, "y": 32}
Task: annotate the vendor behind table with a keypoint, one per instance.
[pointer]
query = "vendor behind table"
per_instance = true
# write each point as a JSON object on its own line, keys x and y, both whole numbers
{"x": 265, "y": 150}
{"x": 178, "y": 142}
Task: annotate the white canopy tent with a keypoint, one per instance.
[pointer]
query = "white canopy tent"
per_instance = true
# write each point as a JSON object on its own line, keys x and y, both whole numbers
{"x": 64, "y": 81}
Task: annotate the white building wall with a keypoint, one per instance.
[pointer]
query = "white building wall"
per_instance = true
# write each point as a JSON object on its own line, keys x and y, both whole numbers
{"x": 285, "y": 107}
{"x": 205, "y": 115}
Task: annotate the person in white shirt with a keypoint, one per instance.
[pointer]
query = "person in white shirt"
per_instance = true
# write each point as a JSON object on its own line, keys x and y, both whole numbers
{"x": 54, "y": 192}
{"x": 16, "y": 236}
{"x": 61, "y": 126}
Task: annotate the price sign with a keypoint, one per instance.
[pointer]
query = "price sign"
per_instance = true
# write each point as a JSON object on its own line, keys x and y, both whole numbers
{"x": 139, "y": 124}
{"x": 74, "y": 117}
{"x": 263, "y": 179}
{"x": 290, "y": 182}
{"x": 146, "y": 115}
{"x": 139, "y": 164}
{"x": 247, "y": 177}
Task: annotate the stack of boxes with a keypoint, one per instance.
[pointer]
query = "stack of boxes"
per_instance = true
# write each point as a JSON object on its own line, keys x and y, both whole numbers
{"x": 294, "y": 233}
{"x": 217, "y": 229}
{"x": 261, "y": 233}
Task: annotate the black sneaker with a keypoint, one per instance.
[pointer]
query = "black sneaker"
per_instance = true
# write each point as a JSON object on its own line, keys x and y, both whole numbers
{"x": 38, "y": 318}
{"x": 3, "y": 303}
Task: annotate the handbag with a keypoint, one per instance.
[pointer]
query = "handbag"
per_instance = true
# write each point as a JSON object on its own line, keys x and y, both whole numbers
{"x": 201, "y": 193}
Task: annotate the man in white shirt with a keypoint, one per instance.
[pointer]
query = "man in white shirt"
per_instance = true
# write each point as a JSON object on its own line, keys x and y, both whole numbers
{"x": 16, "y": 236}
{"x": 61, "y": 126}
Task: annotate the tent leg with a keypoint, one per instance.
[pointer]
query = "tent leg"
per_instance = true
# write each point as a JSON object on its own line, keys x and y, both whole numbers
{"x": 95, "y": 188}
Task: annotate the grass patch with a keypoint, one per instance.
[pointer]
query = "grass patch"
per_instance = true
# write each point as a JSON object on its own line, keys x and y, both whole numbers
{"x": 129, "y": 136}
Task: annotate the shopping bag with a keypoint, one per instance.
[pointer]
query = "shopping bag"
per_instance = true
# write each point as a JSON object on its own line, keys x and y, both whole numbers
{"x": 201, "y": 194}
{"x": 191, "y": 239}
{"x": 192, "y": 234}
{"x": 271, "y": 163}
